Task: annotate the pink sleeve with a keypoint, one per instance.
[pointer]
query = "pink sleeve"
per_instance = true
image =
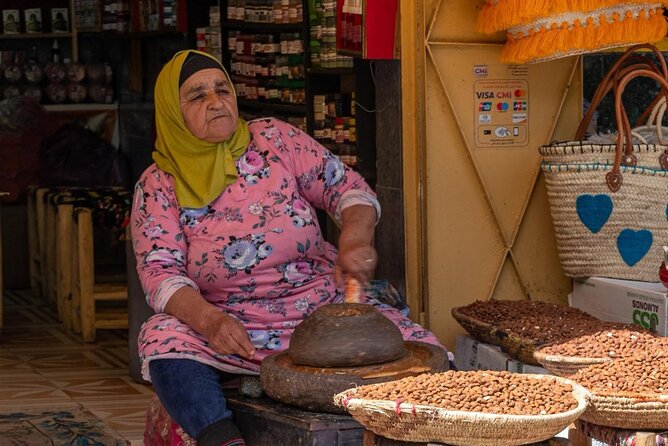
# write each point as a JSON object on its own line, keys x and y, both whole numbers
{"x": 157, "y": 238}
{"x": 322, "y": 178}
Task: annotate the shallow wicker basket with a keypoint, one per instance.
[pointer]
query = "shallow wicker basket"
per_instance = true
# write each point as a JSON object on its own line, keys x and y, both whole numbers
{"x": 420, "y": 423}
{"x": 565, "y": 365}
{"x": 520, "y": 348}
{"x": 636, "y": 412}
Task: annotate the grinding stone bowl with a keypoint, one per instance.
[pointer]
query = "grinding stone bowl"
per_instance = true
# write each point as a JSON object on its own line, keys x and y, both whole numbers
{"x": 313, "y": 388}
{"x": 345, "y": 335}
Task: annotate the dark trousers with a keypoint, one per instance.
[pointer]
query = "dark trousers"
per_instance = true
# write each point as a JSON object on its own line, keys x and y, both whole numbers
{"x": 192, "y": 394}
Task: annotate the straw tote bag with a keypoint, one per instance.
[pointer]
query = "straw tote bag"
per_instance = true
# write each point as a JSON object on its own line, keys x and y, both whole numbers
{"x": 543, "y": 30}
{"x": 610, "y": 219}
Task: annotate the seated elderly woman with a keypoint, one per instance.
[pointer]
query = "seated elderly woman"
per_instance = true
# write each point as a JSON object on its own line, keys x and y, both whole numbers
{"x": 228, "y": 246}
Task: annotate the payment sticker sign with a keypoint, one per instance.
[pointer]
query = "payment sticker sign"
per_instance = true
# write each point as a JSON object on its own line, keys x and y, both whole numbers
{"x": 501, "y": 113}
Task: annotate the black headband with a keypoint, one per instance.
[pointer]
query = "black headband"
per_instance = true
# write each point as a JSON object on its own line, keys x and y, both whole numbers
{"x": 196, "y": 62}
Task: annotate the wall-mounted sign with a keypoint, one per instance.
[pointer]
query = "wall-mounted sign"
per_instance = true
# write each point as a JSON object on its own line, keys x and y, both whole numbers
{"x": 501, "y": 113}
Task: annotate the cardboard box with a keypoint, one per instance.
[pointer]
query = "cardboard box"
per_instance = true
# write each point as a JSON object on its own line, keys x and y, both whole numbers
{"x": 520, "y": 367}
{"x": 471, "y": 354}
{"x": 641, "y": 303}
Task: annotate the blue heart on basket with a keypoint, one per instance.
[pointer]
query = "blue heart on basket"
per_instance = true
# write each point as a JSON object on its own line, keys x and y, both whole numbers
{"x": 633, "y": 245}
{"x": 594, "y": 211}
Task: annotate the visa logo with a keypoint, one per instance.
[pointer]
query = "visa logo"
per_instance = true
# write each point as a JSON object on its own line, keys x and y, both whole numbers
{"x": 485, "y": 106}
{"x": 485, "y": 95}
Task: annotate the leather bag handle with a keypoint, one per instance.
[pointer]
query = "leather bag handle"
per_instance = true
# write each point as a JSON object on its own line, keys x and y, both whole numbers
{"x": 614, "y": 178}
{"x": 616, "y": 72}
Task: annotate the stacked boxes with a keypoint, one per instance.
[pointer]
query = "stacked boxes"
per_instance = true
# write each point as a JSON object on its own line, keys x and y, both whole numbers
{"x": 323, "y": 37}
{"x": 334, "y": 125}
{"x": 87, "y": 15}
{"x": 116, "y": 15}
{"x": 209, "y": 38}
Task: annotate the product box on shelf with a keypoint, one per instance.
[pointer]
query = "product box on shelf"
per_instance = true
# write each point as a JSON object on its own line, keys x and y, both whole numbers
{"x": 367, "y": 29}
{"x": 33, "y": 20}
{"x": 88, "y": 15}
{"x": 60, "y": 20}
{"x": 11, "y": 21}
{"x": 641, "y": 303}
{"x": 471, "y": 354}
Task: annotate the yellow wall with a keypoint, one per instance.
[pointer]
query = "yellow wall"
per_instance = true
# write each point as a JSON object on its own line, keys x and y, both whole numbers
{"x": 477, "y": 219}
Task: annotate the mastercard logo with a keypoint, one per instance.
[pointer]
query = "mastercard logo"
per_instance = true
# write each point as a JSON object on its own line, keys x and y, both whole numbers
{"x": 519, "y": 93}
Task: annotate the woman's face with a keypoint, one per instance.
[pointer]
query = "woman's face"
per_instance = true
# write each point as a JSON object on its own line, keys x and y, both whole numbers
{"x": 209, "y": 106}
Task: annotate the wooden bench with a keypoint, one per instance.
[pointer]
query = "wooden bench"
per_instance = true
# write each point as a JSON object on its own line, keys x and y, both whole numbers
{"x": 263, "y": 421}
{"x": 37, "y": 240}
{"x": 64, "y": 267}
{"x": 1, "y": 295}
{"x": 87, "y": 294}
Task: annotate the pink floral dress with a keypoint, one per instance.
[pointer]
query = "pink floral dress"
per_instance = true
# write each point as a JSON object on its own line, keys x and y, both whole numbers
{"x": 256, "y": 252}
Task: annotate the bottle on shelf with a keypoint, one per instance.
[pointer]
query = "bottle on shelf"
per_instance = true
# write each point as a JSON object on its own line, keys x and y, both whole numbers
{"x": 33, "y": 72}
{"x": 55, "y": 51}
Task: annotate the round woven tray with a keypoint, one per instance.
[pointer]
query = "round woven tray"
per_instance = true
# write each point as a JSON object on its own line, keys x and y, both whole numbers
{"x": 516, "y": 346}
{"x": 634, "y": 412}
{"x": 418, "y": 423}
{"x": 565, "y": 365}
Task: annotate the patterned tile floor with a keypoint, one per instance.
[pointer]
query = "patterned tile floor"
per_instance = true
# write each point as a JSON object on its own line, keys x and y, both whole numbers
{"x": 43, "y": 365}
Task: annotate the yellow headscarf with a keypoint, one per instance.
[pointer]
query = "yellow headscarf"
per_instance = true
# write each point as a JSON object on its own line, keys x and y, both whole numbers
{"x": 201, "y": 170}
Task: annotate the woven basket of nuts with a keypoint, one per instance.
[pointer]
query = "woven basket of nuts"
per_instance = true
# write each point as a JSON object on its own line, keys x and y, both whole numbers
{"x": 520, "y": 327}
{"x": 628, "y": 393}
{"x": 480, "y": 408}
{"x": 564, "y": 358}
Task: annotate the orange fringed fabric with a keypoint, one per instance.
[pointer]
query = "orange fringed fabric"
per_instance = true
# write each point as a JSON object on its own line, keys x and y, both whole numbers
{"x": 506, "y": 14}
{"x": 560, "y": 41}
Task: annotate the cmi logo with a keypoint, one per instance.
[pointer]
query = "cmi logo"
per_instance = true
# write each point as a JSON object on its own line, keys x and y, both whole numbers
{"x": 480, "y": 70}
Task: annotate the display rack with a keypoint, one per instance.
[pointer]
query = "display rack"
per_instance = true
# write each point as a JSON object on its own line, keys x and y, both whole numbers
{"x": 317, "y": 81}
{"x": 71, "y": 35}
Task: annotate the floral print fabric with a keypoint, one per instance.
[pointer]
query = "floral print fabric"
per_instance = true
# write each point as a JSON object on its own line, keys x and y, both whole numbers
{"x": 256, "y": 252}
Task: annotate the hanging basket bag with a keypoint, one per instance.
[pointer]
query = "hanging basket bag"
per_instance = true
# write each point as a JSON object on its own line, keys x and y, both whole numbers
{"x": 610, "y": 219}
{"x": 544, "y": 30}
{"x": 648, "y": 149}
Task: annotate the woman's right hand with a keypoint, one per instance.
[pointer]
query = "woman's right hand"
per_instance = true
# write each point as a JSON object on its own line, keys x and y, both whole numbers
{"x": 228, "y": 336}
